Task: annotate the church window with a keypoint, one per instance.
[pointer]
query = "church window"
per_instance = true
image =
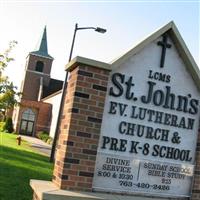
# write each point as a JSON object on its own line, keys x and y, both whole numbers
{"x": 39, "y": 66}
{"x": 28, "y": 115}
{"x": 27, "y": 122}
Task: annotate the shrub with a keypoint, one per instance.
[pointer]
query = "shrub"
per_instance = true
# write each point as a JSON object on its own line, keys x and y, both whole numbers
{"x": 50, "y": 140}
{"x": 43, "y": 135}
{"x": 8, "y": 126}
{"x": 2, "y": 124}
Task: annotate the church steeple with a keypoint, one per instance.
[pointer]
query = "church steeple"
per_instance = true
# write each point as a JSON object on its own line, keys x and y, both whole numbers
{"x": 38, "y": 70}
{"x": 42, "y": 49}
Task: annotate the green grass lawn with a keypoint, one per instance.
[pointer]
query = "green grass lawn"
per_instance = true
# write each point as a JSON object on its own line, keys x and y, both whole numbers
{"x": 19, "y": 164}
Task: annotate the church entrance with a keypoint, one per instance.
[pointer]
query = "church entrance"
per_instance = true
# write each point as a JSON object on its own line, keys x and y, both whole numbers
{"x": 27, "y": 122}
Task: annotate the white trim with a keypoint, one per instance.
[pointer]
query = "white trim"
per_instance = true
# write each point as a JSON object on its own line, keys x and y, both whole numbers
{"x": 36, "y": 72}
{"x": 86, "y": 61}
{"x": 51, "y": 58}
{"x": 140, "y": 45}
{"x": 180, "y": 45}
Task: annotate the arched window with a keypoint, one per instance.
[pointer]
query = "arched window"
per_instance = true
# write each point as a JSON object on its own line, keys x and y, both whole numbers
{"x": 28, "y": 115}
{"x": 27, "y": 122}
{"x": 39, "y": 66}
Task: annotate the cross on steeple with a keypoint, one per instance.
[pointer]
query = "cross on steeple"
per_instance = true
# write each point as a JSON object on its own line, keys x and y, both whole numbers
{"x": 164, "y": 46}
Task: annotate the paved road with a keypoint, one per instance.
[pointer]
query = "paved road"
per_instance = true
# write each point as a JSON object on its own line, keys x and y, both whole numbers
{"x": 38, "y": 145}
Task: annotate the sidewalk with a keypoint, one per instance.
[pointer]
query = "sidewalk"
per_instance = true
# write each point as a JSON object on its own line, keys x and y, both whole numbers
{"x": 38, "y": 145}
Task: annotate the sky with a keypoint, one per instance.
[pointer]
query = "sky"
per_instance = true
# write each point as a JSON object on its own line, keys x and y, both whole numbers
{"x": 127, "y": 22}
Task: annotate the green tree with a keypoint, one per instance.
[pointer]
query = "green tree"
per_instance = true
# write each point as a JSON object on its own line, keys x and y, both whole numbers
{"x": 8, "y": 92}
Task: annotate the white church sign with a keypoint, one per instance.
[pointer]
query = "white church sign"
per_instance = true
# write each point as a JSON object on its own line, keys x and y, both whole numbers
{"x": 150, "y": 122}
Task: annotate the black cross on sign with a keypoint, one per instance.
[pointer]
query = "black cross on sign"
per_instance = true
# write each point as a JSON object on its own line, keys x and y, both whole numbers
{"x": 164, "y": 46}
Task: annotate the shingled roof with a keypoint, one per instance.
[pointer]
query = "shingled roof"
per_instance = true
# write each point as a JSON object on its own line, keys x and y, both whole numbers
{"x": 53, "y": 87}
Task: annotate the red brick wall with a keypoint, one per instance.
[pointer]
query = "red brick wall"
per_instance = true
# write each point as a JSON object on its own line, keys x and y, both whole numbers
{"x": 80, "y": 128}
{"x": 196, "y": 184}
{"x": 31, "y": 83}
{"x": 31, "y": 86}
{"x": 43, "y": 115}
{"x": 32, "y": 60}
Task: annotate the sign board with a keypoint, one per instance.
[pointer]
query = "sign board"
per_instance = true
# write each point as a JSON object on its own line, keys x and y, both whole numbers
{"x": 142, "y": 176}
{"x": 150, "y": 125}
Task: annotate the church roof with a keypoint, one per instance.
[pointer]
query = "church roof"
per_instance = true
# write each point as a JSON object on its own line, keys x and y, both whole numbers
{"x": 54, "y": 86}
{"x": 42, "y": 49}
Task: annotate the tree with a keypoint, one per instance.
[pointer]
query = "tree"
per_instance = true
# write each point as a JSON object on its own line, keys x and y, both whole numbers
{"x": 8, "y": 92}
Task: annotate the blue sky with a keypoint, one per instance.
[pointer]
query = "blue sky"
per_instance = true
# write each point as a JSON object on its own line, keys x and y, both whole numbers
{"x": 126, "y": 24}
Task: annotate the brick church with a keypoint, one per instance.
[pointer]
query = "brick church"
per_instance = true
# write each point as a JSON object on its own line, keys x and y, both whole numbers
{"x": 41, "y": 94}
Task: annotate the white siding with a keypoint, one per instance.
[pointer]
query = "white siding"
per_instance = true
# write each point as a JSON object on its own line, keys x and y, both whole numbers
{"x": 55, "y": 101}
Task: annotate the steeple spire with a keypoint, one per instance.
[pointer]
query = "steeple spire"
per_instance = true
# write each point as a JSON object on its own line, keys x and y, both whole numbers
{"x": 43, "y": 43}
{"x": 42, "y": 49}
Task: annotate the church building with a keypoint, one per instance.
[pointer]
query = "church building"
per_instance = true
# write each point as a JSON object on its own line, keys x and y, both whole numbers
{"x": 41, "y": 94}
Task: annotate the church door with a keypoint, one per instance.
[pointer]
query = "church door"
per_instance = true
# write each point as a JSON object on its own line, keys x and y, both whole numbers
{"x": 27, "y": 122}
